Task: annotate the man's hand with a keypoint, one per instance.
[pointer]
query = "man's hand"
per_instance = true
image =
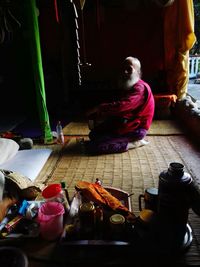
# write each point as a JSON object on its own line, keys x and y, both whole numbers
{"x": 5, "y": 204}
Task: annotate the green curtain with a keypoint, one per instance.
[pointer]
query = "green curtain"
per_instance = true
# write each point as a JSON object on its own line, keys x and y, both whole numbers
{"x": 31, "y": 12}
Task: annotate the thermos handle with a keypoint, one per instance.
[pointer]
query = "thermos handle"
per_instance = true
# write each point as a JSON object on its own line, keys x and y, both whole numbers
{"x": 140, "y": 201}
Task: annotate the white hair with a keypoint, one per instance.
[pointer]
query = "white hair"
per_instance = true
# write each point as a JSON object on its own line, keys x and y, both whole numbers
{"x": 136, "y": 63}
{"x": 127, "y": 80}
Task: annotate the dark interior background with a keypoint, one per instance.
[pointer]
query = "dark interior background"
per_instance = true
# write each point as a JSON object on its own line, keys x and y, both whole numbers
{"x": 82, "y": 50}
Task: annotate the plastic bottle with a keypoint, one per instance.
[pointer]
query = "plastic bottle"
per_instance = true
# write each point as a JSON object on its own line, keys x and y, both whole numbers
{"x": 173, "y": 206}
{"x": 60, "y": 135}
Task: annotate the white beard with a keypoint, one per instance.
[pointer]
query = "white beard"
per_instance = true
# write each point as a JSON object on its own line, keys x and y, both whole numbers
{"x": 127, "y": 83}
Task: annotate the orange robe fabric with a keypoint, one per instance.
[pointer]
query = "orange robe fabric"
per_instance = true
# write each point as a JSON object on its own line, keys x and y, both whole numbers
{"x": 179, "y": 38}
{"x": 99, "y": 195}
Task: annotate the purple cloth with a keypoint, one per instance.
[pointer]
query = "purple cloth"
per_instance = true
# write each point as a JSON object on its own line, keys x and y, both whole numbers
{"x": 108, "y": 144}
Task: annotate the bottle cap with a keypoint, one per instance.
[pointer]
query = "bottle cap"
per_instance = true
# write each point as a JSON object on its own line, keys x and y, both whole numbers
{"x": 63, "y": 184}
{"x": 117, "y": 219}
{"x": 86, "y": 207}
{"x": 51, "y": 190}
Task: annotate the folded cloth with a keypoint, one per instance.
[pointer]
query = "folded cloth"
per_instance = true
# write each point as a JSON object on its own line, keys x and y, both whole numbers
{"x": 8, "y": 149}
{"x": 99, "y": 195}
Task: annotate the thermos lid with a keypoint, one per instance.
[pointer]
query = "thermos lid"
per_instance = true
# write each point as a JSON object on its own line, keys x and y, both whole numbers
{"x": 176, "y": 167}
{"x": 176, "y": 173}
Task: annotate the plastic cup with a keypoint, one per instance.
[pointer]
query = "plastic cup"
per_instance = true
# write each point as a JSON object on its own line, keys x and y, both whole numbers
{"x": 50, "y": 218}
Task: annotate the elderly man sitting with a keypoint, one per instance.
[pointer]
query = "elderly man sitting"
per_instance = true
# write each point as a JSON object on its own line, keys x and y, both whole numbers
{"x": 123, "y": 123}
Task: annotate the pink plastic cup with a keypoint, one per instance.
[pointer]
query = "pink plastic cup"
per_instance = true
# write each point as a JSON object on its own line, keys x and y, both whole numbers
{"x": 50, "y": 218}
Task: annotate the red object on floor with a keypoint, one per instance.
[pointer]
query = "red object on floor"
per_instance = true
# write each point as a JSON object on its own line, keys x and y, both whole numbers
{"x": 9, "y": 135}
{"x": 163, "y": 105}
{"x": 165, "y": 99}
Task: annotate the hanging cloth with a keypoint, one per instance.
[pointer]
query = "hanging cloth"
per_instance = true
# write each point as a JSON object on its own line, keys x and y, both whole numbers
{"x": 38, "y": 74}
{"x": 179, "y": 38}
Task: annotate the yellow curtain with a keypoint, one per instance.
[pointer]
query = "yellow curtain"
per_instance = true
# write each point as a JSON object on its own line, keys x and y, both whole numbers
{"x": 179, "y": 38}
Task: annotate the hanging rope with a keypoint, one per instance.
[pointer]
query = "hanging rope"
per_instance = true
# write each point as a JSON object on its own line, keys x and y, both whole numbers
{"x": 7, "y": 22}
{"x": 84, "y": 63}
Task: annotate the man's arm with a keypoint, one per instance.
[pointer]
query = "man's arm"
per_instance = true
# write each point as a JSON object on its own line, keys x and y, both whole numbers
{"x": 126, "y": 104}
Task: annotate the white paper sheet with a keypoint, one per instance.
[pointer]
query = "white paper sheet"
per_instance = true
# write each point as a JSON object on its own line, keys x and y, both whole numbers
{"x": 28, "y": 162}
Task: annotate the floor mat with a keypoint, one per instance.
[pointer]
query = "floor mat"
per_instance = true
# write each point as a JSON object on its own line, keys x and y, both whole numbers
{"x": 158, "y": 127}
{"x": 132, "y": 171}
{"x": 164, "y": 127}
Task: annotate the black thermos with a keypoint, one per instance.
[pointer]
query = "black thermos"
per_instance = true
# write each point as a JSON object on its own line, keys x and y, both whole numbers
{"x": 174, "y": 201}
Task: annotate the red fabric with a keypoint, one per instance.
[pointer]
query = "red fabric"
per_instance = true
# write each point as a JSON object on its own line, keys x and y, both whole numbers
{"x": 133, "y": 109}
{"x": 56, "y": 11}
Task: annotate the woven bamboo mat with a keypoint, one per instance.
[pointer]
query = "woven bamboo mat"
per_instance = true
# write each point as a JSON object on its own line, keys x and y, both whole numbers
{"x": 51, "y": 163}
{"x": 132, "y": 171}
{"x": 158, "y": 127}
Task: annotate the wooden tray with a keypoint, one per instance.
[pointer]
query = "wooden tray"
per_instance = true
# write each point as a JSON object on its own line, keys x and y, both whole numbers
{"x": 73, "y": 218}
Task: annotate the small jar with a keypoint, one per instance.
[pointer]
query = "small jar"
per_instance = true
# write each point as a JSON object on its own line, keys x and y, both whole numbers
{"x": 117, "y": 225}
{"x": 87, "y": 219}
{"x": 87, "y": 214}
